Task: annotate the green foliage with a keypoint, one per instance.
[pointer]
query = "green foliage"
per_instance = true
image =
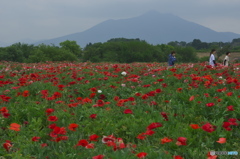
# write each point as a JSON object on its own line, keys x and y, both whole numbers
{"x": 204, "y": 59}
{"x": 72, "y": 46}
{"x": 125, "y": 51}
{"x": 187, "y": 54}
{"x": 206, "y": 47}
{"x": 223, "y": 50}
{"x": 18, "y": 52}
{"x": 178, "y": 85}
{"x": 120, "y": 50}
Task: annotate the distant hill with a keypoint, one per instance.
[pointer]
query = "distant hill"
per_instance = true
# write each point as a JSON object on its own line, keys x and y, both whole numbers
{"x": 153, "y": 27}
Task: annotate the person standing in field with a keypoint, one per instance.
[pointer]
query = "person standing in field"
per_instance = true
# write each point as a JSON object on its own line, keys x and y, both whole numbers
{"x": 226, "y": 59}
{"x": 171, "y": 58}
{"x": 212, "y": 61}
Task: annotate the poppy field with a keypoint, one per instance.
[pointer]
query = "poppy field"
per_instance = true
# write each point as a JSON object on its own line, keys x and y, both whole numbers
{"x": 118, "y": 111}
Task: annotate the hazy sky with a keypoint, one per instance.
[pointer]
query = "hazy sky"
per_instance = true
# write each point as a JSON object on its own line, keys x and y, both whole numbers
{"x": 46, "y": 19}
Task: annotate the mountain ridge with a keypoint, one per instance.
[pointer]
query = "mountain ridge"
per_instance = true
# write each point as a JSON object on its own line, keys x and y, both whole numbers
{"x": 153, "y": 27}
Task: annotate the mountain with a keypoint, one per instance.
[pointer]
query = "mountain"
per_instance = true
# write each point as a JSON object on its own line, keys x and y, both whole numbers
{"x": 153, "y": 27}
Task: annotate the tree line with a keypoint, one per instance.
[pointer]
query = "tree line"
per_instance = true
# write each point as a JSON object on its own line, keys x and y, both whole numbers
{"x": 120, "y": 50}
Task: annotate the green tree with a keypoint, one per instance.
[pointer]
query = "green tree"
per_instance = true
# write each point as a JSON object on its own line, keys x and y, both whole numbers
{"x": 72, "y": 46}
{"x": 14, "y": 54}
{"x": 92, "y": 52}
{"x": 165, "y": 50}
{"x": 223, "y": 51}
{"x": 187, "y": 54}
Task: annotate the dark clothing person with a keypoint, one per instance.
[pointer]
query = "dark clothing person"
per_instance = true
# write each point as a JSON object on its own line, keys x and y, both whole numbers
{"x": 171, "y": 59}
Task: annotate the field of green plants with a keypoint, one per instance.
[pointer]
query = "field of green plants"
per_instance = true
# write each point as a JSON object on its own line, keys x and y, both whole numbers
{"x": 118, "y": 111}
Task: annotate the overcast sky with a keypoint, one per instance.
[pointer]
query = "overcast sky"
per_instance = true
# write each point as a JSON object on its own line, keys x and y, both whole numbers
{"x": 46, "y": 19}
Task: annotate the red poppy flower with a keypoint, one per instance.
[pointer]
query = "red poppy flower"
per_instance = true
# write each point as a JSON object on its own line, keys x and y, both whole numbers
{"x": 206, "y": 94}
{"x": 15, "y": 127}
{"x": 181, "y": 141}
{"x": 208, "y": 127}
{"x": 102, "y": 96}
{"x": 92, "y": 95}
{"x": 166, "y": 140}
{"x": 73, "y": 127}
{"x": 98, "y": 157}
{"x": 221, "y": 140}
{"x": 57, "y": 95}
{"x": 164, "y": 85}
{"x": 106, "y": 139}
{"x": 44, "y": 145}
{"x": 82, "y": 143}
{"x": 226, "y": 126}
{"x": 164, "y": 115}
{"x": 7, "y": 145}
{"x": 60, "y": 87}
{"x": 131, "y": 99}
{"x": 90, "y": 146}
{"x": 179, "y": 89}
{"x": 154, "y": 125}
{"x": 100, "y": 103}
{"x": 4, "y": 110}
{"x": 128, "y": 111}
{"x": 178, "y": 157}
{"x": 93, "y": 137}
{"x": 49, "y": 111}
{"x": 141, "y": 154}
{"x": 35, "y": 138}
{"x": 230, "y": 108}
{"x": 211, "y": 156}
{"x": 210, "y": 104}
{"x": 137, "y": 94}
{"x": 145, "y": 96}
{"x": 191, "y": 98}
{"x": 141, "y": 136}
{"x": 160, "y": 80}
{"x": 149, "y": 132}
{"x": 195, "y": 126}
{"x": 233, "y": 121}
{"x": 5, "y": 115}
{"x": 52, "y": 126}
{"x": 93, "y": 116}
{"x": 25, "y": 93}
{"x": 52, "y": 118}
{"x": 93, "y": 89}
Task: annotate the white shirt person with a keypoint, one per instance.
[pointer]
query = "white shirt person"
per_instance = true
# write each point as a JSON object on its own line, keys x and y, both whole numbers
{"x": 226, "y": 59}
{"x": 212, "y": 61}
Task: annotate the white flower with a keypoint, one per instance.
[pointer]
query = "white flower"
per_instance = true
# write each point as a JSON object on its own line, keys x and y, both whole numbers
{"x": 123, "y": 85}
{"x": 99, "y": 91}
{"x": 124, "y": 73}
{"x": 220, "y": 77}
